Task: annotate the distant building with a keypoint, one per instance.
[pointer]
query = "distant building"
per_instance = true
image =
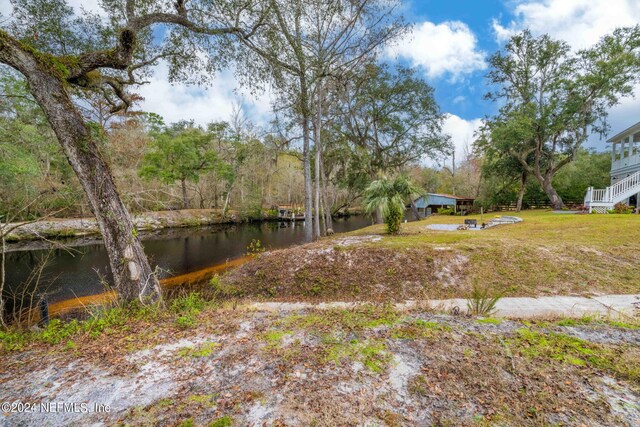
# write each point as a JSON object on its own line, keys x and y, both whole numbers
{"x": 431, "y": 203}
{"x": 625, "y": 173}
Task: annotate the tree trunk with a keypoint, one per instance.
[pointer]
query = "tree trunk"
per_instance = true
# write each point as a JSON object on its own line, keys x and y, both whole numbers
{"x": 520, "y": 197}
{"x": 226, "y": 199}
{"x": 328, "y": 220}
{"x": 414, "y": 209}
{"x": 556, "y": 201}
{"x": 308, "y": 189}
{"x": 132, "y": 274}
{"x": 378, "y": 218}
{"x": 318, "y": 146}
{"x": 185, "y": 199}
{"x": 523, "y": 183}
{"x": 2, "y": 274}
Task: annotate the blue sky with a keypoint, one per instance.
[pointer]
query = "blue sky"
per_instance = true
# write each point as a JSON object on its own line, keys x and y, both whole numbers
{"x": 450, "y": 44}
{"x": 452, "y": 40}
{"x": 463, "y": 98}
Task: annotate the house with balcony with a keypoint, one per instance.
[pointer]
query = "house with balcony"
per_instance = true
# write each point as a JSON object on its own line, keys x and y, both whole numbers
{"x": 625, "y": 173}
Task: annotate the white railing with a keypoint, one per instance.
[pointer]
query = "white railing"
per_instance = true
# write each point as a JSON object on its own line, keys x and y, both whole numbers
{"x": 606, "y": 198}
{"x": 599, "y": 195}
{"x": 623, "y": 186}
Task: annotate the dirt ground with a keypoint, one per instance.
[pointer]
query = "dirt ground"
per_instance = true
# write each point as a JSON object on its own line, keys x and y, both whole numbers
{"x": 349, "y": 269}
{"x": 367, "y": 366}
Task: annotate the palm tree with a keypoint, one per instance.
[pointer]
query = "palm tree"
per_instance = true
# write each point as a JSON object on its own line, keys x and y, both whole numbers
{"x": 390, "y": 197}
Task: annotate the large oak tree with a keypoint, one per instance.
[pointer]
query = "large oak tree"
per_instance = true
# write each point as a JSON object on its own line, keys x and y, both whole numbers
{"x": 63, "y": 56}
{"x": 553, "y": 98}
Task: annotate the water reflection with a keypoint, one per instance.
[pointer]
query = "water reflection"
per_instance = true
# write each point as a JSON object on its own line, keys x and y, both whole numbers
{"x": 77, "y": 272}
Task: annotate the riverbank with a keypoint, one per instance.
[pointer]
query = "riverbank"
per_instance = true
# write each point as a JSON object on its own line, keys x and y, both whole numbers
{"x": 62, "y": 228}
{"x": 57, "y": 228}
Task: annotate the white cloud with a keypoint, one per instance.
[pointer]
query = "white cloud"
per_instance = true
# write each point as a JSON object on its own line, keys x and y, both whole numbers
{"x": 579, "y": 22}
{"x": 216, "y": 102}
{"x": 504, "y": 33}
{"x": 449, "y": 48}
{"x": 461, "y": 132}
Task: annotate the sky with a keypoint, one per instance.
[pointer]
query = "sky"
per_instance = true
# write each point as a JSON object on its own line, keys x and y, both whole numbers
{"x": 450, "y": 43}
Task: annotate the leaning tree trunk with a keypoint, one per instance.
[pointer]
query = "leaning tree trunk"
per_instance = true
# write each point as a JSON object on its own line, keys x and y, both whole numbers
{"x": 523, "y": 183}
{"x": 556, "y": 200}
{"x": 132, "y": 274}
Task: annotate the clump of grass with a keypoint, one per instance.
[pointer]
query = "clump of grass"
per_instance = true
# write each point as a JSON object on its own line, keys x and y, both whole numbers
{"x": 203, "y": 350}
{"x": 358, "y": 318}
{"x": 187, "y": 423}
{"x": 590, "y": 320}
{"x": 57, "y": 331}
{"x": 489, "y": 320}
{"x": 482, "y": 302}
{"x": 418, "y": 329}
{"x": 225, "y": 421}
{"x": 100, "y": 320}
{"x": 622, "y": 361}
{"x": 372, "y": 354}
{"x": 274, "y": 338}
{"x": 202, "y": 399}
{"x": 190, "y": 302}
{"x": 188, "y": 307}
{"x": 221, "y": 289}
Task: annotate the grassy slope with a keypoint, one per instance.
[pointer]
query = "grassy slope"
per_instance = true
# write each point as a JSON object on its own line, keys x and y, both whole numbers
{"x": 546, "y": 254}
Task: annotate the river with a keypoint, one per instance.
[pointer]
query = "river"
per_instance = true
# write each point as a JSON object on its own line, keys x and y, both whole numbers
{"x": 75, "y": 270}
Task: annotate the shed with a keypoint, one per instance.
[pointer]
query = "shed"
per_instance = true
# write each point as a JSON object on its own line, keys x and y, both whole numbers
{"x": 430, "y": 203}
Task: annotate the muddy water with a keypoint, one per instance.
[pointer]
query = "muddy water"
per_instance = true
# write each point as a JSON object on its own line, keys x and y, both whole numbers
{"x": 76, "y": 269}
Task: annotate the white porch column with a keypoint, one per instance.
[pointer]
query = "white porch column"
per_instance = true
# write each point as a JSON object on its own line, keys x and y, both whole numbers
{"x": 614, "y": 145}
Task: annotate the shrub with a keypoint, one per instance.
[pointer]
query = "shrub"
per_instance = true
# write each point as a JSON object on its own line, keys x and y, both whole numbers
{"x": 393, "y": 219}
{"x": 255, "y": 248}
{"x": 621, "y": 208}
{"x": 481, "y": 302}
{"x": 192, "y": 302}
{"x": 446, "y": 211}
{"x": 188, "y": 306}
{"x": 389, "y": 197}
{"x": 57, "y": 331}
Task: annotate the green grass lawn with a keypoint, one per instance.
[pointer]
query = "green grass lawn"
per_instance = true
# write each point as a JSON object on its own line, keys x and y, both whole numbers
{"x": 546, "y": 254}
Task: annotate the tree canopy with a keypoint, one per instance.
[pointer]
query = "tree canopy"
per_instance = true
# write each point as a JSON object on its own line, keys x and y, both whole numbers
{"x": 553, "y": 98}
